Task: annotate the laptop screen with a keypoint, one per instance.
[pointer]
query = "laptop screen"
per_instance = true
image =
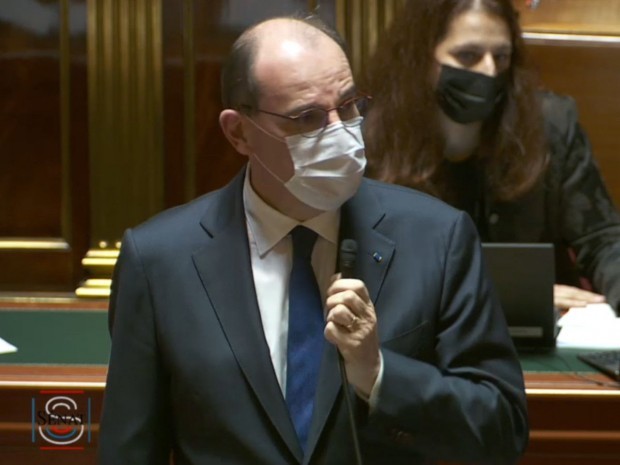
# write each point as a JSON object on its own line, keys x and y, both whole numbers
{"x": 523, "y": 276}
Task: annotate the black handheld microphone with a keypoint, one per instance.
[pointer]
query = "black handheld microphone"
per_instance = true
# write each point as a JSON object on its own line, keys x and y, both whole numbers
{"x": 348, "y": 255}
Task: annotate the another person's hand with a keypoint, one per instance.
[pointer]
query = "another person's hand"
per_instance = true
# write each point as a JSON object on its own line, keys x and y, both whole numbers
{"x": 565, "y": 297}
{"x": 352, "y": 328}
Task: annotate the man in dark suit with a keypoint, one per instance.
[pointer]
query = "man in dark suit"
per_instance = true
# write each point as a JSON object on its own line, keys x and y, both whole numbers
{"x": 202, "y": 311}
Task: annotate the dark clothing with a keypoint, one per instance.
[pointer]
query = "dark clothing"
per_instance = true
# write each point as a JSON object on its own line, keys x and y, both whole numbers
{"x": 570, "y": 207}
{"x": 190, "y": 369}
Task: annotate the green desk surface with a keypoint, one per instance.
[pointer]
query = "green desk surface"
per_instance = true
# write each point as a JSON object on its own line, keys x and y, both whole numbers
{"x": 558, "y": 360}
{"x": 81, "y": 337}
{"x": 55, "y": 337}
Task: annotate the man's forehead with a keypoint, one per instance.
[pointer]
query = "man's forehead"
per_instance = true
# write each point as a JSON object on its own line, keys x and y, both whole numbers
{"x": 288, "y": 39}
{"x": 282, "y": 51}
{"x": 289, "y": 49}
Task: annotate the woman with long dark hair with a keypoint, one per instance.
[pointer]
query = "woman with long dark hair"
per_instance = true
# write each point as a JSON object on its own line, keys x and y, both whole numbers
{"x": 458, "y": 114}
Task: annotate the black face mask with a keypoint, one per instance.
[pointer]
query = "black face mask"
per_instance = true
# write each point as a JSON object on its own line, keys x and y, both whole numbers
{"x": 466, "y": 96}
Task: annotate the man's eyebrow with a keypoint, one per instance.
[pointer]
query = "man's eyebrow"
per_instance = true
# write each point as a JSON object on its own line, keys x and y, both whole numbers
{"x": 348, "y": 93}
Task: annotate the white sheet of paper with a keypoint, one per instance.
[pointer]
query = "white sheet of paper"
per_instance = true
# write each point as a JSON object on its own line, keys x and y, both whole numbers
{"x": 6, "y": 348}
{"x": 593, "y": 327}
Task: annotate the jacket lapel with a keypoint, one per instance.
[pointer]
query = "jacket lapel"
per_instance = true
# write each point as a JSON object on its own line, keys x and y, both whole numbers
{"x": 360, "y": 220}
{"x": 225, "y": 269}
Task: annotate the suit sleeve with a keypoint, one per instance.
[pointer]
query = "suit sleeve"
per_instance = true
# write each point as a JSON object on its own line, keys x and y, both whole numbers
{"x": 469, "y": 405}
{"x": 134, "y": 425}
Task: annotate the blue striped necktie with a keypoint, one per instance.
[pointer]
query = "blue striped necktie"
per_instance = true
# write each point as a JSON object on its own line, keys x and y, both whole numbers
{"x": 305, "y": 334}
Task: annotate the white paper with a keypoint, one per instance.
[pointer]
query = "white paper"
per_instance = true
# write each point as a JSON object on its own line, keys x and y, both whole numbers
{"x": 593, "y": 314}
{"x": 593, "y": 327}
{"x": 6, "y": 348}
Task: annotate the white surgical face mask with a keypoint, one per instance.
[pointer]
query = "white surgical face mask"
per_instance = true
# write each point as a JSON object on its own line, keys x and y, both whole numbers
{"x": 328, "y": 167}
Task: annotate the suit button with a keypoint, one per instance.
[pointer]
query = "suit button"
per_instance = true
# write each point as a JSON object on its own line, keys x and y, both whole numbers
{"x": 493, "y": 218}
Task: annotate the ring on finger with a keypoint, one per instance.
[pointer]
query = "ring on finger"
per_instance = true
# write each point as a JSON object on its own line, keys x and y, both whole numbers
{"x": 351, "y": 325}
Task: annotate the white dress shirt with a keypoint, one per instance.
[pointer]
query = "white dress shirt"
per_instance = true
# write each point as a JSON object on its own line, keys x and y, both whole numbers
{"x": 271, "y": 253}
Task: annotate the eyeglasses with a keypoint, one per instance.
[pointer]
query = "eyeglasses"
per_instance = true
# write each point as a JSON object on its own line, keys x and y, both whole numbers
{"x": 313, "y": 121}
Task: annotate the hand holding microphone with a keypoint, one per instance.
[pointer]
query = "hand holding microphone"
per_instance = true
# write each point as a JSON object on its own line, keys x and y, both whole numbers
{"x": 347, "y": 301}
{"x": 352, "y": 323}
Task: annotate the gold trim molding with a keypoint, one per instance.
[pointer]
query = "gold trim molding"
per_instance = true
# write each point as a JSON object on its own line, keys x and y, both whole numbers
{"x": 99, "y": 265}
{"x": 95, "y": 288}
{"x": 571, "y": 393}
{"x": 65, "y": 117}
{"x": 125, "y": 114}
{"x": 55, "y": 384}
{"x": 43, "y": 243}
{"x": 571, "y": 39}
{"x": 189, "y": 99}
{"x": 125, "y": 94}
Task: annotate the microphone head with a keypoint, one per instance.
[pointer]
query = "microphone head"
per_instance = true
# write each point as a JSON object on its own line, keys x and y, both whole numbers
{"x": 348, "y": 246}
{"x": 348, "y": 254}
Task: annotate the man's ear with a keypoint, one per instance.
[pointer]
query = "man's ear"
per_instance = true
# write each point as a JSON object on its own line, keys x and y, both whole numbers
{"x": 231, "y": 122}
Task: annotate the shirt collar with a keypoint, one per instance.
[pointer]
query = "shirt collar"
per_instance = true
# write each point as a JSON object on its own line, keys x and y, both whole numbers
{"x": 268, "y": 226}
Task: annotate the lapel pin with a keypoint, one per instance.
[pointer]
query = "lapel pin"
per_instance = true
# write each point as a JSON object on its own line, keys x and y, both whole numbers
{"x": 377, "y": 257}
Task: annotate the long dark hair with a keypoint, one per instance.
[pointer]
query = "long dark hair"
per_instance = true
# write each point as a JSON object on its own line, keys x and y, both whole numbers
{"x": 403, "y": 140}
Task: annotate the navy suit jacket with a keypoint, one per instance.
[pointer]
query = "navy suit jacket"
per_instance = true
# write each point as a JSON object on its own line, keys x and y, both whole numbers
{"x": 190, "y": 372}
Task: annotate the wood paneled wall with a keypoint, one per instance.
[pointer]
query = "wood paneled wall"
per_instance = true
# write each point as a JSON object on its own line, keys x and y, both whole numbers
{"x": 575, "y": 46}
{"x": 589, "y": 72}
{"x": 83, "y": 159}
{"x": 43, "y": 144}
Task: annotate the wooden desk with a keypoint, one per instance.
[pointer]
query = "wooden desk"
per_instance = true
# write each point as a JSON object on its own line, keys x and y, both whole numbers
{"x": 573, "y": 421}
